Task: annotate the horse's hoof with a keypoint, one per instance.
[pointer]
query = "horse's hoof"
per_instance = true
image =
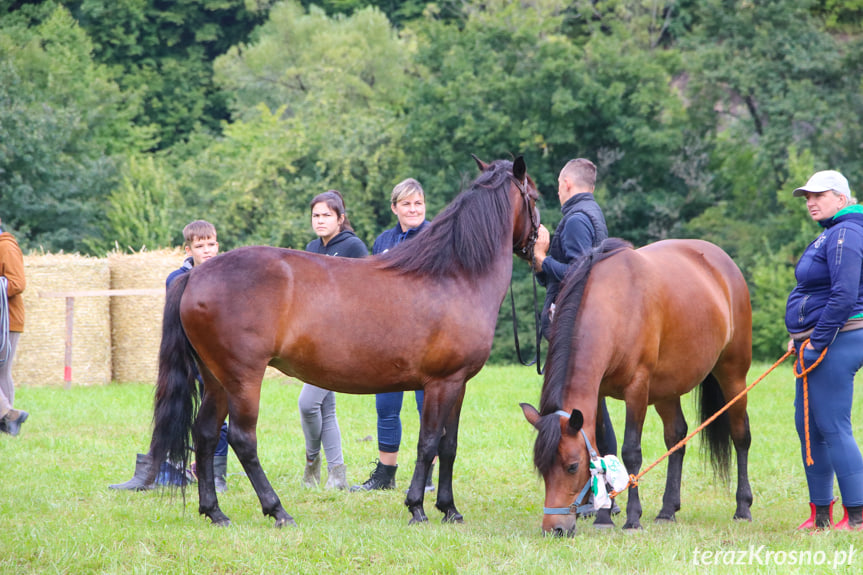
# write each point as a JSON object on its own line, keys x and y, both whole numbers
{"x": 665, "y": 519}
{"x": 597, "y": 525}
{"x": 219, "y": 519}
{"x": 741, "y": 517}
{"x": 632, "y": 527}
{"x": 286, "y": 522}
{"x": 418, "y": 515}
{"x": 559, "y": 532}
{"x": 452, "y": 517}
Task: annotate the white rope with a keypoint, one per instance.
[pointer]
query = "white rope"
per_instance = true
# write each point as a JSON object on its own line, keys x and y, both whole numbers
{"x": 4, "y": 321}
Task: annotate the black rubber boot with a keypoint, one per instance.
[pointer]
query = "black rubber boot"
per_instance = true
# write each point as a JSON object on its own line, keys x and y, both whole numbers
{"x": 220, "y": 470}
{"x": 143, "y": 464}
{"x": 853, "y": 519}
{"x": 824, "y": 516}
{"x": 383, "y": 477}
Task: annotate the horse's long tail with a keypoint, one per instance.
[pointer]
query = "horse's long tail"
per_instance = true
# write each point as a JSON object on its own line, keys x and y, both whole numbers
{"x": 177, "y": 395}
{"x": 717, "y": 435}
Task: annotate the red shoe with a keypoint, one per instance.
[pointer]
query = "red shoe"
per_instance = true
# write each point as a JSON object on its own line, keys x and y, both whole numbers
{"x": 816, "y": 520}
{"x": 809, "y": 523}
{"x": 844, "y": 524}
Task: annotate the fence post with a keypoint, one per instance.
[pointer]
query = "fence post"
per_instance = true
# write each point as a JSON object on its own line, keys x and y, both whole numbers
{"x": 70, "y": 316}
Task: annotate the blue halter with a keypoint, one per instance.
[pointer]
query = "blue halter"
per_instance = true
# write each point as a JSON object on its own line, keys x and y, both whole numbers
{"x": 571, "y": 510}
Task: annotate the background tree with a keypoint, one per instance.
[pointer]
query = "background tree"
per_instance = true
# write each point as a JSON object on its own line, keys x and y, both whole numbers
{"x": 64, "y": 124}
{"x": 165, "y": 50}
{"x": 702, "y": 115}
{"x": 319, "y": 102}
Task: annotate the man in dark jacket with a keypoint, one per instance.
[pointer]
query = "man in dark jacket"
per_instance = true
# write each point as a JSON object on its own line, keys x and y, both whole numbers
{"x": 581, "y": 229}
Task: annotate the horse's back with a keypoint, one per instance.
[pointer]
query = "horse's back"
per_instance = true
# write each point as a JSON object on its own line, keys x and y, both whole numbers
{"x": 339, "y": 323}
{"x": 697, "y": 269}
{"x": 683, "y": 307}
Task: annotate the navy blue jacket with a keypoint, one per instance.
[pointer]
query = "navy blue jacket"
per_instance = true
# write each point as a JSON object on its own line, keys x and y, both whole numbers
{"x": 581, "y": 229}
{"x": 345, "y": 244}
{"x": 394, "y": 236}
{"x": 187, "y": 266}
{"x": 829, "y": 277}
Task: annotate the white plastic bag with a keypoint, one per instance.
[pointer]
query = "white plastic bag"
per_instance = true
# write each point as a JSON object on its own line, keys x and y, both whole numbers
{"x": 607, "y": 472}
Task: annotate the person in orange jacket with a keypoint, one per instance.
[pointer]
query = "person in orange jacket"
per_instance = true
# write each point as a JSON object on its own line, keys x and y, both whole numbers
{"x": 12, "y": 283}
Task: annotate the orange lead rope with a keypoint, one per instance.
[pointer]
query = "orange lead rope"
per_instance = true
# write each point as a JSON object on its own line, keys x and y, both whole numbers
{"x": 804, "y": 373}
{"x": 633, "y": 479}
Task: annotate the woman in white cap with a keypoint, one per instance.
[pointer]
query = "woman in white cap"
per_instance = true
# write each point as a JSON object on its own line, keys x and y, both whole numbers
{"x": 824, "y": 316}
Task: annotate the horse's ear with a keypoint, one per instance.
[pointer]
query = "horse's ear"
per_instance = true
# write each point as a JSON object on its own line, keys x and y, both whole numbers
{"x": 576, "y": 420}
{"x": 519, "y": 169}
{"x": 530, "y": 413}
{"x": 482, "y": 165}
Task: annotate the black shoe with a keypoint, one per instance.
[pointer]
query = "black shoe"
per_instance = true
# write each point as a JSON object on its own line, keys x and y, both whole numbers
{"x": 383, "y": 477}
{"x": 13, "y": 427}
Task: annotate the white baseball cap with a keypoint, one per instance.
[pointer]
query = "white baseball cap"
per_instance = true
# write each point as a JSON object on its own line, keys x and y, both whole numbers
{"x": 823, "y": 181}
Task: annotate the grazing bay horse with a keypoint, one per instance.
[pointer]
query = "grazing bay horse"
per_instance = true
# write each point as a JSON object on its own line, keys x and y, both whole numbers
{"x": 421, "y": 316}
{"x": 644, "y": 326}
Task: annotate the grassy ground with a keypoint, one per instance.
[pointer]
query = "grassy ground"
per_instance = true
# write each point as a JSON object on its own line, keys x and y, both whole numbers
{"x": 58, "y": 516}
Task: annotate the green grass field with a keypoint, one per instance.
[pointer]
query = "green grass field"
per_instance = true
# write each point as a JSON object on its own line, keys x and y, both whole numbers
{"x": 58, "y": 516}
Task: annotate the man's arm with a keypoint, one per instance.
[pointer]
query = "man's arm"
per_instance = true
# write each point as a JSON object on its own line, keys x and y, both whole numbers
{"x": 576, "y": 240}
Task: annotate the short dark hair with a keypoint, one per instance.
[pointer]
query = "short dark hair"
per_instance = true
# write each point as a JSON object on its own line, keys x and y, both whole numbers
{"x": 581, "y": 171}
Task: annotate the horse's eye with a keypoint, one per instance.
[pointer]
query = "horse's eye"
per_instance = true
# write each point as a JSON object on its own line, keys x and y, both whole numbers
{"x": 572, "y": 469}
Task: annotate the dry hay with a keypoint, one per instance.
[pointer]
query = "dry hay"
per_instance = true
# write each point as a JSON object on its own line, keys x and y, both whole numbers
{"x": 40, "y": 359}
{"x": 136, "y": 320}
{"x": 115, "y": 338}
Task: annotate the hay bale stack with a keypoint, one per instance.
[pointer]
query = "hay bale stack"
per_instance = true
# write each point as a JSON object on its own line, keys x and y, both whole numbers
{"x": 136, "y": 320}
{"x": 40, "y": 359}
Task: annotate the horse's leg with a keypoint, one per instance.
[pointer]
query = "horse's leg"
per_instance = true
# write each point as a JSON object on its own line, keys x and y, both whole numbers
{"x": 603, "y": 516}
{"x": 742, "y": 439}
{"x": 447, "y": 449}
{"x": 205, "y": 433}
{"x": 744, "y": 490}
{"x": 440, "y": 401}
{"x": 244, "y": 393}
{"x": 731, "y": 375}
{"x": 636, "y": 409}
{"x": 674, "y": 425}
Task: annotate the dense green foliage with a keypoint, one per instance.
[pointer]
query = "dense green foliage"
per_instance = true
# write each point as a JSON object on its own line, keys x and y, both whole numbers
{"x": 120, "y": 121}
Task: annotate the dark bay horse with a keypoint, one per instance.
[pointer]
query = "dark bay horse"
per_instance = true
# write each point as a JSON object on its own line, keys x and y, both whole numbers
{"x": 421, "y": 316}
{"x": 645, "y": 326}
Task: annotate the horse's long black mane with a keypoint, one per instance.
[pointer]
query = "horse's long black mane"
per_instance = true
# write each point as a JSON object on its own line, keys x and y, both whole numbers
{"x": 555, "y": 382}
{"x": 463, "y": 238}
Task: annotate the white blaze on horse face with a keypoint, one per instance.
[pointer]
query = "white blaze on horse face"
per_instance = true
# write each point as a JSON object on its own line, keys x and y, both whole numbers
{"x": 411, "y": 211}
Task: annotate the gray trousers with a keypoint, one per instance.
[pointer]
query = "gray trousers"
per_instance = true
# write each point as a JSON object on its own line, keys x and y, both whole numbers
{"x": 7, "y": 387}
{"x": 320, "y": 426}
